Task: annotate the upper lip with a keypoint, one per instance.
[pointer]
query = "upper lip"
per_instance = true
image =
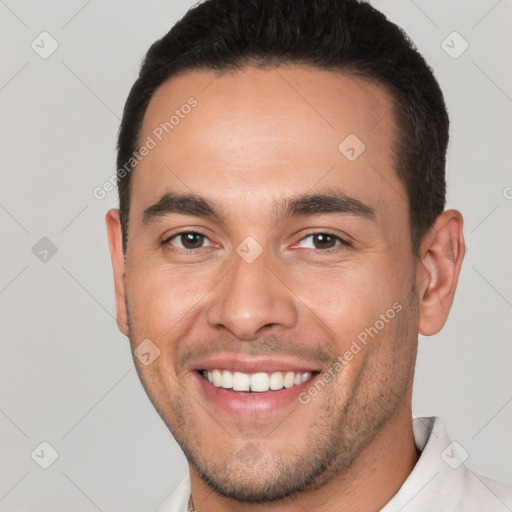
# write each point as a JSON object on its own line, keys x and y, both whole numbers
{"x": 238, "y": 363}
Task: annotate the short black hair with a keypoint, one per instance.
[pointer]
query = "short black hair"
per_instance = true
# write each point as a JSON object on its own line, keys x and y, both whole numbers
{"x": 348, "y": 36}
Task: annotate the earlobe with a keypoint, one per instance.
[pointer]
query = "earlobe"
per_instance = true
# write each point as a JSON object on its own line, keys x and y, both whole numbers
{"x": 115, "y": 241}
{"x": 442, "y": 253}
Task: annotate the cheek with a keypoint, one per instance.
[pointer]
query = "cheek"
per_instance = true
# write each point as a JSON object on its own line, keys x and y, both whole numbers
{"x": 161, "y": 299}
{"x": 345, "y": 302}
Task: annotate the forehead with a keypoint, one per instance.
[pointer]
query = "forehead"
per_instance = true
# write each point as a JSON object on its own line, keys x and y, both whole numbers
{"x": 255, "y": 135}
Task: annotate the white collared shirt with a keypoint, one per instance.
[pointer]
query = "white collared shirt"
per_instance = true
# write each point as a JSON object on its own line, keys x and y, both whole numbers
{"x": 440, "y": 481}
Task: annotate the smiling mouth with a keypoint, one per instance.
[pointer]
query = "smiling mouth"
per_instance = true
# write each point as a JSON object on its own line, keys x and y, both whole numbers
{"x": 259, "y": 382}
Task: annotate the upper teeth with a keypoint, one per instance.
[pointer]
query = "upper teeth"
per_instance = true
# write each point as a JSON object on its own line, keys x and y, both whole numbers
{"x": 260, "y": 382}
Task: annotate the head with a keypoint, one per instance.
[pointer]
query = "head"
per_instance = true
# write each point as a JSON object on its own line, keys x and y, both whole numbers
{"x": 286, "y": 214}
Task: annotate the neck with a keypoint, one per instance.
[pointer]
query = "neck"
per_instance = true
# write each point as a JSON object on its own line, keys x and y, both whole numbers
{"x": 366, "y": 486}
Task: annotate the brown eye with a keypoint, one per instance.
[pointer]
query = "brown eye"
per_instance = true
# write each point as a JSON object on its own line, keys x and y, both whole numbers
{"x": 192, "y": 240}
{"x": 188, "y": 240}
{"x": 321, "y": 241}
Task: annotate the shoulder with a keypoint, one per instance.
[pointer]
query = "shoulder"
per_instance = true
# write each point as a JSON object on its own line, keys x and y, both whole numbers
{"x": 442, "y": 481}
{"x": 498, "y": 494}
{"x": 178, "y": 500}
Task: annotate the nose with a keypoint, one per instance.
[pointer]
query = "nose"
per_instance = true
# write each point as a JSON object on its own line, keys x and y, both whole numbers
{"x": 252, "y": 299}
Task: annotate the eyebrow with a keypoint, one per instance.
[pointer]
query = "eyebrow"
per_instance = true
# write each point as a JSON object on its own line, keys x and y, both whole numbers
{"x": 186, "y": 204}
{"x": 329, "y": 202}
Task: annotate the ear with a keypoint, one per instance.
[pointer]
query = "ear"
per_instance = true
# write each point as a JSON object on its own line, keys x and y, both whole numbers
{"x": 441, "y": 253}
{"x": 115, "y": 242}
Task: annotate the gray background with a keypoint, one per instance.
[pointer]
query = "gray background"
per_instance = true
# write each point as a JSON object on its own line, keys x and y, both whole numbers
{"x": 66, "y": 373}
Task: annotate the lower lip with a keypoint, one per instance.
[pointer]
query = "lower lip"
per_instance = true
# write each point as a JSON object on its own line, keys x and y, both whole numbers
{"x": 252, "y": 404}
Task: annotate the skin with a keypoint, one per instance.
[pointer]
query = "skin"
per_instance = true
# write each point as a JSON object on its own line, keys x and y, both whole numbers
{"x": 258, "y": 137}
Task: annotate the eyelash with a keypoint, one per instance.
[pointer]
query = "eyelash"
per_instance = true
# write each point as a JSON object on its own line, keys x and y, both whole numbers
{"x": 342, "y": 242}
{"x": 169, "y": 247}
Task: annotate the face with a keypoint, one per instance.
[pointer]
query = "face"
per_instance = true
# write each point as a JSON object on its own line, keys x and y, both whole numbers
{"x": 269, "y": 252}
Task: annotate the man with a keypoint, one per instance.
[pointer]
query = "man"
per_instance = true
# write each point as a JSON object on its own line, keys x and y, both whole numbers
{"x": 280, "y": 243}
